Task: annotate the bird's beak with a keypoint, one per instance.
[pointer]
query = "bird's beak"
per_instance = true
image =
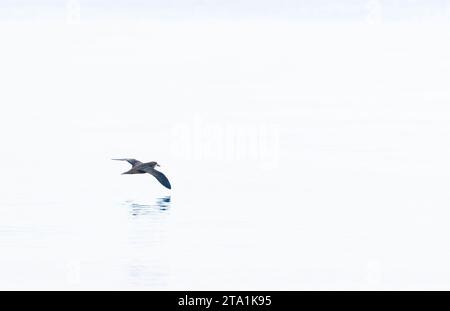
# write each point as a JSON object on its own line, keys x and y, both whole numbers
{"x": 157, "y": 164}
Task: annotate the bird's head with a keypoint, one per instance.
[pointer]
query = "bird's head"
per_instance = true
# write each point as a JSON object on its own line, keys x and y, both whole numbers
{"x": 153, "y": 164}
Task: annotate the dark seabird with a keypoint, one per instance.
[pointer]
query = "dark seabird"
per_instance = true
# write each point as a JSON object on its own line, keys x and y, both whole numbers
{"x": 141, "y": 168}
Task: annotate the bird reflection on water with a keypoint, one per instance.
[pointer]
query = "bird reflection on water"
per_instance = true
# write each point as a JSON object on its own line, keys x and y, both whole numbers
{"x": 147, "y": 268}
{"x": 137, "y": 209}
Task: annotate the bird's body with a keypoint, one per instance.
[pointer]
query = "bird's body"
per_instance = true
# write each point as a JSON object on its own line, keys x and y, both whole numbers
{"x": 141, "y": 168}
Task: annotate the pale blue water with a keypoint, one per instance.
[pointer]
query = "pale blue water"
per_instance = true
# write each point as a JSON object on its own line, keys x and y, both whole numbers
{"x": 302, "y": 156}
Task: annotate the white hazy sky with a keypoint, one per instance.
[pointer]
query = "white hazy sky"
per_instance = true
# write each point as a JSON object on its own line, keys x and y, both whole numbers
{"x": 300, "y": 10}
{"x": 308, "y": 145}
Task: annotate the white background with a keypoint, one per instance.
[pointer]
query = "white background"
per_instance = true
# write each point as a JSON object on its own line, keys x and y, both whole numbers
{"x": 306, "y": 151}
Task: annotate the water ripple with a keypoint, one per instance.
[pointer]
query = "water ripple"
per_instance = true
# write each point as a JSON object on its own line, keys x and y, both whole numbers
{"x": 138, "y": 209}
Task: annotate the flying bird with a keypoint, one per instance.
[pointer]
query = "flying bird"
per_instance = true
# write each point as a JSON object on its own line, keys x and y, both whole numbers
{"x": 141, "y": 168}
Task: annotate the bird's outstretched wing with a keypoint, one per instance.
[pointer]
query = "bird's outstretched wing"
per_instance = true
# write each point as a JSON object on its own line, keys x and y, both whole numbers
{"x": 158, "y": 175}
{"x": 161, "y": 178}
{"x": 133, "y": 162}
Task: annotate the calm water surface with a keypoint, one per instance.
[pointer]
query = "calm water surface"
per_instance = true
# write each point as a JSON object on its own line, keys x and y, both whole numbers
{"x": 302, "y": 156}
